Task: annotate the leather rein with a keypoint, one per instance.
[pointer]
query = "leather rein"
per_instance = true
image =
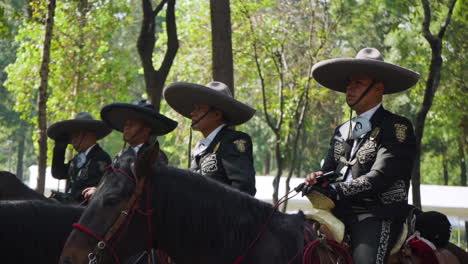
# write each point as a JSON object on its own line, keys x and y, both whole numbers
{"x": 109, "y": 240}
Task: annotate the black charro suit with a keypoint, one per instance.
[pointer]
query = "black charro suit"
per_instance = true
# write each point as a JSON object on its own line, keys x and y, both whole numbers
{"x": 374, "y": 203}
{"x": 88, "y": 175}
{"x": 228, "y": 159}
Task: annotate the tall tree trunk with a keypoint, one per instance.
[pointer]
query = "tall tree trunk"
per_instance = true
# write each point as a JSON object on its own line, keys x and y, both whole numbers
{"x": 155, "y": 79}
{"x": 432, "y": 84}
{"x": 20, "y": 151}
{"x": 445, "y": 169}
{"x": 43, "y": 95}
{"x": 222, "y": 42}
{"x": 279, "y": 171}
{"x": 461, "y": 152}
{"x": 267, "y": 163}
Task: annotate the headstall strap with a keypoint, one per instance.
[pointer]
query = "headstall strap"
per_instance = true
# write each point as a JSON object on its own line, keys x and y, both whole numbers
{"x": 104, "y": 242}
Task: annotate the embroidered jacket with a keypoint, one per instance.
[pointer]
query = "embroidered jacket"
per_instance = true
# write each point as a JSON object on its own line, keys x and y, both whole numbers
{"x": 228, "y": 159}
{"x": 87, "y": 175}
{"x": 381, "y": 168}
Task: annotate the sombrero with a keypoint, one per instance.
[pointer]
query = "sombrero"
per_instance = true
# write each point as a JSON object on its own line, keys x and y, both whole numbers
{"x": 116, "y": 114}
{"x": 182, "y": 96}
{"x": 82, "y": 122}
{"x": 335, "y": 73}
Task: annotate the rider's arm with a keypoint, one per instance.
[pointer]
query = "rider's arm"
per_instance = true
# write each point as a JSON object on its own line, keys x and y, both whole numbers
{"x": 237, "y": 160}
{"x": 59, "y": 167}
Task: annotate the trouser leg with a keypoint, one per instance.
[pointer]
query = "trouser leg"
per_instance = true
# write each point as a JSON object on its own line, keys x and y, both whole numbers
{"x": 372, "y": 239}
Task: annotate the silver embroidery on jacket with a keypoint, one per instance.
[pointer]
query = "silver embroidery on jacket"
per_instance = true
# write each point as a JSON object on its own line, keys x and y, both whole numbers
{"x": 367, "y": 152}
{"x": 396, "y": 193}
{"x": 356, "y": 186}
{"x": 383, "y": 244}
{"x": 209, "y": 164}
{"x": 338, "y": 151}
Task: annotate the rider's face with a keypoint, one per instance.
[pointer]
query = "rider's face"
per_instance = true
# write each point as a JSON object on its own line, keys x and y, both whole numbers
{"x": 356, "y": 86}
{"x": 135, "y": 131}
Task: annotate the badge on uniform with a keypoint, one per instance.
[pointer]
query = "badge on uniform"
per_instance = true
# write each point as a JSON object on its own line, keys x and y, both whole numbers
{"x": 240, "y": 144}
{"x": 400, "y": 132}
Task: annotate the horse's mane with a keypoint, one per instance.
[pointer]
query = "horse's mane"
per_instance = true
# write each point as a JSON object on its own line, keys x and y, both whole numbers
{"x": 214, "y": 213}
{"x": 11, "y": 188}
{"x": 34, "y": 231}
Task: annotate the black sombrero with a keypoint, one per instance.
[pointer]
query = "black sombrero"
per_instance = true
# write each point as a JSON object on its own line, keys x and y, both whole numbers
{"x": 116, "y": 114}
{"x": 82, "y": 122}
{"x": 182, "y": 96}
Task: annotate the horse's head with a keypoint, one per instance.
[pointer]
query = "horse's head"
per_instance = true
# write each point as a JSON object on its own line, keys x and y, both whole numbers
{"x": 109, "y": 231}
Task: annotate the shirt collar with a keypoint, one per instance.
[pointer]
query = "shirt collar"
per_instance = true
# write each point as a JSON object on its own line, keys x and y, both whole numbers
{"x": 137, "y": 148}
{"x": 206, "y": 141}
{"x": 369, "y": 113}
{"x": 88, "y": 150}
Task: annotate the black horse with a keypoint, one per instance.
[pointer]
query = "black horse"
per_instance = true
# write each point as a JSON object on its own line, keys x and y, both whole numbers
{"x": 34, "y": 231}
{"x": 194, "y": 220}
{"x": 11, "y": 188}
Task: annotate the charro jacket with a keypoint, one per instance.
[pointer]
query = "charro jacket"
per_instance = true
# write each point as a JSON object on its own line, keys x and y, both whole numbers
{"x": 228, "y": 159}
{"x": 88, "y": 175}
{"x": 381, "y": 168}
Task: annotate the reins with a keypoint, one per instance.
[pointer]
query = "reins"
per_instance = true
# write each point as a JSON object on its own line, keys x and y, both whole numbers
{"x": 265, "y": 225}
{"x": 122, "y": 221}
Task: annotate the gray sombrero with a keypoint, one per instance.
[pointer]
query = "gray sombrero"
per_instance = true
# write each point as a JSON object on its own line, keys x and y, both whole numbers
{"x": 182, "y": 96}
{"x": 82, "y": 122}
{"x": 335, "y": 73}
{"x": 116, "y": 114}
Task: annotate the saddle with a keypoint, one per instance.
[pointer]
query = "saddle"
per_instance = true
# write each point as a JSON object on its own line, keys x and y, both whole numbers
{"x": 321, "y": 213}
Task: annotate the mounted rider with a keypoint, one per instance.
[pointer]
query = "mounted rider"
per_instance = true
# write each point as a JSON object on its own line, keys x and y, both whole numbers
{"x": 224, "y": 154}
{"x": 86, "y": 168}
{"x": 140, "y": 125}
{"x": 373, "y": 153}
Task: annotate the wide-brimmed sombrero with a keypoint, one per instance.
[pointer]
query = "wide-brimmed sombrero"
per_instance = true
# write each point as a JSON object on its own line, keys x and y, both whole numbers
{"x": 116, "y": 114}
{"x": 335, "y": 73}
{"x": 182, "y": 96}
{"x": 82, "y": 122}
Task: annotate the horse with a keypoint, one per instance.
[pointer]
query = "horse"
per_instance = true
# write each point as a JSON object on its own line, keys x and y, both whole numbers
{"x": 11, "y": 188}
{"x": 34, "y": 231}
{"x": 186, "y": 215}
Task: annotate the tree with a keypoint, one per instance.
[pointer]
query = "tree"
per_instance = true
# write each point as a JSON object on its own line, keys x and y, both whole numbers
{"x": 432, "y": 84}
{"x": 155, "y": 79}
{"x": 222, "y": 43}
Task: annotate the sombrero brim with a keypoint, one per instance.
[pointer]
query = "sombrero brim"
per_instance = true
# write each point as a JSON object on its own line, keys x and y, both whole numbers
{"x": 182, "y": 96}
{"x": 65, "y": 128}
{"x": 335, "y": 73}
{"x": 116, "y": 114}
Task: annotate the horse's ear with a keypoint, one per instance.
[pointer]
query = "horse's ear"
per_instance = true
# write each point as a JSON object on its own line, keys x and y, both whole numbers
{"x": 147, "y": 160}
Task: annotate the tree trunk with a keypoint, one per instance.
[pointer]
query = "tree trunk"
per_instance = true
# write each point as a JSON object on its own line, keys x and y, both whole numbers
{"x": 432, "y": 84}
{"x": 461, "y": 152}
{"x": 279, "y": 171}
{"x": 43, "y": 94}
{"x": 20, "y": 151}
{"x": 155, "y": 79}
{"x": 445, "y": 169}
{"x": 222, "y": 42}
{"x": 266, "y": 163}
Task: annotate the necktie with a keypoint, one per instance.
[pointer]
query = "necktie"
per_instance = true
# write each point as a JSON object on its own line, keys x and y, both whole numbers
{"x": 80, "y": 160}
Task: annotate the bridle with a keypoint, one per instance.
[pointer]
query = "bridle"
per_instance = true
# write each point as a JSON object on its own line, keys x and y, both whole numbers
{"x": 110, "y": 240}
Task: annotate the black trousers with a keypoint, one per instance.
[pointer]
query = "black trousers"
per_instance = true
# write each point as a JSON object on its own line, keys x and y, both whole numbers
{"x": 373, "y": 238}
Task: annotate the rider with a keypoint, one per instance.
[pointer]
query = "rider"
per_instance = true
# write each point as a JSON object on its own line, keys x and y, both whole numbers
{"x": 223, "y": 154}
{"x": 140, "y": 125}
{"x": 85, "y": 169}
{"x": 372, "y": 158}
